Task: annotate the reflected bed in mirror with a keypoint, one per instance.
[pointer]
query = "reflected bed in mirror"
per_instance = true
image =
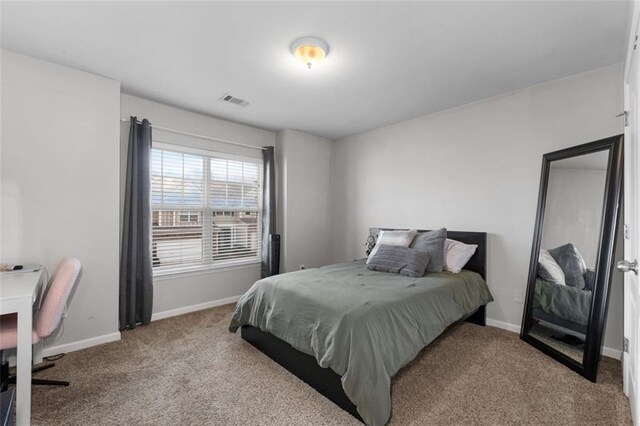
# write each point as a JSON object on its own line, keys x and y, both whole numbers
{"x": 572, "y": 253}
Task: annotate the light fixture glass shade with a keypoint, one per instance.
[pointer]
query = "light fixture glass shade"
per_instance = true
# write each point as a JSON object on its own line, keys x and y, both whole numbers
{"x": 310, "y": 50}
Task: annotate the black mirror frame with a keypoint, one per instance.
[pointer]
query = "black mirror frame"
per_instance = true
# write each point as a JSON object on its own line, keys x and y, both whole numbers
{"x": 605, "y": 259}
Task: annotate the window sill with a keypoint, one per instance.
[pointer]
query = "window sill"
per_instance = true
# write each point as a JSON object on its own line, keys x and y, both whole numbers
{"x": 165, "y": 275}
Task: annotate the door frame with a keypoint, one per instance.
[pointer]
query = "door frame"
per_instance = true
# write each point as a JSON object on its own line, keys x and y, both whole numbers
{"x": 631, "y": 55}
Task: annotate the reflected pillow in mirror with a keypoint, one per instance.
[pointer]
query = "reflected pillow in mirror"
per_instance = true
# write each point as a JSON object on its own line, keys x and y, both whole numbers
{"x": 572, "y": 264}
{"x": 399, "y": 260}
{"x": 457, "y": 254}
{"x": 548, "y": 268}
{"x": 393, "y": 238}
{"x": 589, "y": 279}
{"x": 432, "y": 243}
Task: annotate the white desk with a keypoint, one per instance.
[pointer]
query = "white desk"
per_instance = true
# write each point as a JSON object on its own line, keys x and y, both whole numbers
{"x": 18, "y": 292}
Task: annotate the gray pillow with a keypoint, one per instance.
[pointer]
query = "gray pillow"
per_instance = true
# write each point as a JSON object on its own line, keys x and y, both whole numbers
{"x": 589, "y": 279}
{"x": 572, "y": 264}
{"x": 399, "y": 260}
{"x": 432, "y": 243}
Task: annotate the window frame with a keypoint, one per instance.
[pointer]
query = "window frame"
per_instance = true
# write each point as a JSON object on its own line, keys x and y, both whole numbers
{"x": 189, "y": 214}
{"x": 209, "y": 264}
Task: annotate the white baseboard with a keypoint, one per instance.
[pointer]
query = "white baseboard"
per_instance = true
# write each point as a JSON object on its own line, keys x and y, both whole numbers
{"x": 81, "y": 344}
{"x": 112, "y": 337}
{"x": 608, "y": 352}
{"x": 107, "y": 338}
{"x": 194, "y": 308}
{"x": 612, "y": 353}
{"x": 503, "y": 325}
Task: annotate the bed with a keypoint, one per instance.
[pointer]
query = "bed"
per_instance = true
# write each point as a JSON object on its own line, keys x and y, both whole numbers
{"x": 561, "y": 305}
{"x": 563, "y": 289}
{"x": 346, "y": 330}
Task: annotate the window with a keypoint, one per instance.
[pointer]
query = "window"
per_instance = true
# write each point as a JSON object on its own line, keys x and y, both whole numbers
{"x": 189, "y": 217}
{"x": 206, "y": 209}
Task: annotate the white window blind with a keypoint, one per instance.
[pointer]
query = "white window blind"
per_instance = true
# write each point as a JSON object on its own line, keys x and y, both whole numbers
{"x": 206, "y": 209}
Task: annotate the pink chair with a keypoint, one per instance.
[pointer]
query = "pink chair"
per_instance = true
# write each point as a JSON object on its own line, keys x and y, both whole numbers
{"x": 48, "y": 317}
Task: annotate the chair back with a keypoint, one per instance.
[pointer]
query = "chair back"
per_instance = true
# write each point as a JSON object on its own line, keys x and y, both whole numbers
{"x": 55, "y": 299}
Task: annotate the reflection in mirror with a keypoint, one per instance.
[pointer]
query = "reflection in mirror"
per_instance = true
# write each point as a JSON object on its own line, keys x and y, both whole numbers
{"x": 568, "y": 254}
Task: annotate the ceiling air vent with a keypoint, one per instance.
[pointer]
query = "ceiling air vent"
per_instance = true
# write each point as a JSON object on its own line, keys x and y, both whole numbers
{"x": 234, "y": 100}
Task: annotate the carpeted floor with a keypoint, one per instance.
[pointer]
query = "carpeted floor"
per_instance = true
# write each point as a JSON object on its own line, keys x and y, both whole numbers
{"x": 191, "y": 370}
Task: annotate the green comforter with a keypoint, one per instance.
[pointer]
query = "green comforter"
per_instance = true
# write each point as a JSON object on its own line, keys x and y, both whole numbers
{"x": 563, "y": 301}
{"x": 364, "y": 325}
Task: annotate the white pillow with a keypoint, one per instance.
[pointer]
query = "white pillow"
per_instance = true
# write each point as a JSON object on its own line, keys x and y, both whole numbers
{"x": 393, "y": 238}
{"x": 457, "y": 254}
{"x": 549, "y": 269}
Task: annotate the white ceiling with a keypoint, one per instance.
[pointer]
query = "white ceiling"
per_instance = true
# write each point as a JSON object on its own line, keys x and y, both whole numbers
{"x": 389, "y": 61}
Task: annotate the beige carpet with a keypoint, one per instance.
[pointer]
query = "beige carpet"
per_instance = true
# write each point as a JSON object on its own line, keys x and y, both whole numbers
{"x": 191, "y": 370}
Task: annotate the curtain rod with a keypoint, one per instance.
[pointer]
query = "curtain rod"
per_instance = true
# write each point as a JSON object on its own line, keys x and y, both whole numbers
{"x": 180, "y": 132}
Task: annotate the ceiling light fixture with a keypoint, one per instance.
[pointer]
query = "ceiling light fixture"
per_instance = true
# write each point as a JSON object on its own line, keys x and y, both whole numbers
{"x": 310, "y": 50}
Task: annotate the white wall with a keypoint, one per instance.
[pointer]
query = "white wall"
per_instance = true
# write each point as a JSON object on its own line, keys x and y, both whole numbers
{"x": 59, "y": 176}
{"x": 473, "y": 168}
{"x": 573, "y": 211}
{"x": 177, "y": 294}
{"x": 304, "y": 197}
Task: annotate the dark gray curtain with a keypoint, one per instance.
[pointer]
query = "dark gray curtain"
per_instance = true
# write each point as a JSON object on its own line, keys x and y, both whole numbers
{"x": 268, "y": 207}
{"x": 136, "y": 275}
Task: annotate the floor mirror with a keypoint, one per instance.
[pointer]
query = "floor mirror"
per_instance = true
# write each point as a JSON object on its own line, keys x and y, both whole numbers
{"x": 572, "y": 253}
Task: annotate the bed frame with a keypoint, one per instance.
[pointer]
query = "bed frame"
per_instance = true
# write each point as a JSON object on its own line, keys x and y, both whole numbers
{"x": 539, "y": 314}
{"x": 325, "y": 380}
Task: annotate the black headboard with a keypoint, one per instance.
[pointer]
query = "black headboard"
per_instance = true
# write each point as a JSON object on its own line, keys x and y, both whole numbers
{"x": 477, "y": 263}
